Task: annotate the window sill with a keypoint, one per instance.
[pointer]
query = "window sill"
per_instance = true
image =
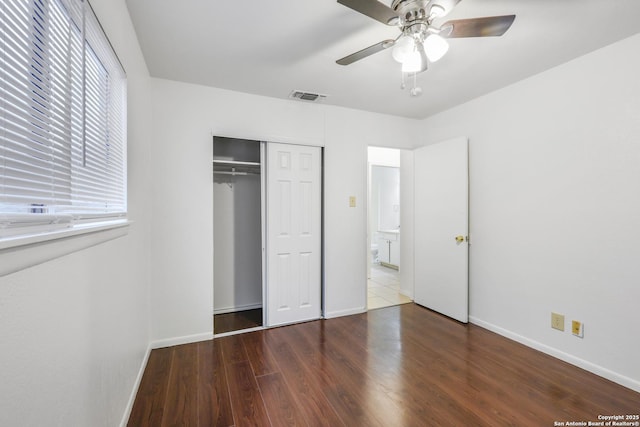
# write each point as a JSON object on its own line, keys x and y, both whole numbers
{"x": 20, "y": 252}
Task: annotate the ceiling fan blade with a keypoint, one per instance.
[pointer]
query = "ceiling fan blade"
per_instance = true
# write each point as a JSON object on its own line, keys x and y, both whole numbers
{"x": 490, "y": 26}
{"x": 367, "y": 51}
{"x": 372, "y": 8}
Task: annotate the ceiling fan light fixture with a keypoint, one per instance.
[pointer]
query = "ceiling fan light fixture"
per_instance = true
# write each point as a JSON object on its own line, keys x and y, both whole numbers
{"x": 411, "y": 64}
{"x": 422, "y": 39}
{"x": 416, "y": 61}
{"x": 404, "y": 47}
{"x": 436, "y": 47}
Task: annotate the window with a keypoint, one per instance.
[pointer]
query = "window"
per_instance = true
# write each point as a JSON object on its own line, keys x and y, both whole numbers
{"x": 62, "y": 119}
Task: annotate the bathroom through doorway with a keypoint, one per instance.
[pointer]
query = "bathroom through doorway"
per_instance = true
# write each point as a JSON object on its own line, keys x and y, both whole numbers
{"x": 384, "y": 229}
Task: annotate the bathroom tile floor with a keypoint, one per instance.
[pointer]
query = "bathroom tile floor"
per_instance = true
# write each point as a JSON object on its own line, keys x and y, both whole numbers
{"x": 383, "y": 288}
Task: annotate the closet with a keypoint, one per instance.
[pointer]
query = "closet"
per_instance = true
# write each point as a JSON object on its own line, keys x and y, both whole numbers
{"x": 237, "y": 234}
{"x": 267, "y": 233}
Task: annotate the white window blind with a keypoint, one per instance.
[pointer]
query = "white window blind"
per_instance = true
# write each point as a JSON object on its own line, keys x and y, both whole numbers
{"x": 62, "y": 118}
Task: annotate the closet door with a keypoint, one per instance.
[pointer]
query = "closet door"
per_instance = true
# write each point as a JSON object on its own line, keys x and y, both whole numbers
{"x": 293, "y": 257}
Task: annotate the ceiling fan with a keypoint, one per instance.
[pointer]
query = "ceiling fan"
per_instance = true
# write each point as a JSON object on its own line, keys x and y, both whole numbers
{"x": 420, "y": 40}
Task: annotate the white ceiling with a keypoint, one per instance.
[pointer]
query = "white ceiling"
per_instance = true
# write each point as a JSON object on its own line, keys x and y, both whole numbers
{"x": 273, "y": 47}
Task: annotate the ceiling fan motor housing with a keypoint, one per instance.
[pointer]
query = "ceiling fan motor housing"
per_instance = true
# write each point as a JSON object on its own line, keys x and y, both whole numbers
{"x": 414, "y": 17}
{"x": 422, "y": 10}
{"x": 410, "y": 10}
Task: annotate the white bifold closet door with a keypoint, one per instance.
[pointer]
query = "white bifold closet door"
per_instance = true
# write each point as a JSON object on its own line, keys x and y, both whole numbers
{"x": 293, "y": 267}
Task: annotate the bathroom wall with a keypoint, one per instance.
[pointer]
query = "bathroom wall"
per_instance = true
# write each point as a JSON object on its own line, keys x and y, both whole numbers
{"x": 385, "y": 182}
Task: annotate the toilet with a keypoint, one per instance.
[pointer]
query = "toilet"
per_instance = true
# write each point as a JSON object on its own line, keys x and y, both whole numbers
{"x": 374, "y": 253}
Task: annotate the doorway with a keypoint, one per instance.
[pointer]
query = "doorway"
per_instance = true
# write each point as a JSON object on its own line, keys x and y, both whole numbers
{"x": 384, "y": 229}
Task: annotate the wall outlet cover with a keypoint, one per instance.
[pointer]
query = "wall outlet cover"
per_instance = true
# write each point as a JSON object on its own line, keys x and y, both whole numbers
{"x": 557, "y": 321}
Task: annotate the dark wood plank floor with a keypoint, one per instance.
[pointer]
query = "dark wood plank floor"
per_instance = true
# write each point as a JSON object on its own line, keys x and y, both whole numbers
{"x": 396, "y": 366}
{"x": 237, "y": 321}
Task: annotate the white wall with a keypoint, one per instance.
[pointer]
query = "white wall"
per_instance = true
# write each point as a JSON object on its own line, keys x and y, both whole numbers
{"x": 407, "y": 232}
{"x": 75, "y": 329}
{"x": 185, "y": 118}
{"x": 555, "y": 207}
{"x": 237, "y": 241}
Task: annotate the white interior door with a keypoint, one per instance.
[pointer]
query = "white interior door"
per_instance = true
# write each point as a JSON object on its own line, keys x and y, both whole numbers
{"x": 293, "y": 285}
{"x": 441, "y": 228}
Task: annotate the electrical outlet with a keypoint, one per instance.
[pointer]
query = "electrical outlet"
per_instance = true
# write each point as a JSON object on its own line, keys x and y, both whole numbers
{"x": 557, "y": 321}
{"x": 577, "y": 328}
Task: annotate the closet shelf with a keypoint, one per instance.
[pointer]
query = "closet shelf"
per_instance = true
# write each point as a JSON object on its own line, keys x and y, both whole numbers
{"x": 235, "y": 167}
{"x": 235, "y": 162}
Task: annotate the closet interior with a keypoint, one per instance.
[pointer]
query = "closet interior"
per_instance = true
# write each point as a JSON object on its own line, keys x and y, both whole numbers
{"x": 237, "y": 234}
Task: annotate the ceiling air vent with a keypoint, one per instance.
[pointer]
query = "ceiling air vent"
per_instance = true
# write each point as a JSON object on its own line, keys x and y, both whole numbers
{"x": 306, "y": 96}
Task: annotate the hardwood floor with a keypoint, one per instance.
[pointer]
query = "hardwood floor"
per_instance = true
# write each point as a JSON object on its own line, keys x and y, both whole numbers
{"x": 237, "y": 321}
{"x": 396, "y": 366}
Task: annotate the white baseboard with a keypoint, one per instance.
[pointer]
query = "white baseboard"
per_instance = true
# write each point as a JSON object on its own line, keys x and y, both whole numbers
{"x": 576, "y": 361}
{"x": 136, "y": 386}
{"x": 168, "y": 342}
{"x": 239, "y": 331}
{"x": 348, "y": 312}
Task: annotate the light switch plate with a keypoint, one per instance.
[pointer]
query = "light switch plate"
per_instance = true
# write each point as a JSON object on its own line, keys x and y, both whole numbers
{"x": 352, "y": 201}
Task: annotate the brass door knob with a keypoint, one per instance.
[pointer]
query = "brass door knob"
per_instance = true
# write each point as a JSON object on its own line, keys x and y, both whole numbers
{"x": 459, "y": 239}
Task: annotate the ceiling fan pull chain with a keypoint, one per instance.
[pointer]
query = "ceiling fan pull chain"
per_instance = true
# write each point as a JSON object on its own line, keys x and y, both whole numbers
{"x": 416, "y": 91}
